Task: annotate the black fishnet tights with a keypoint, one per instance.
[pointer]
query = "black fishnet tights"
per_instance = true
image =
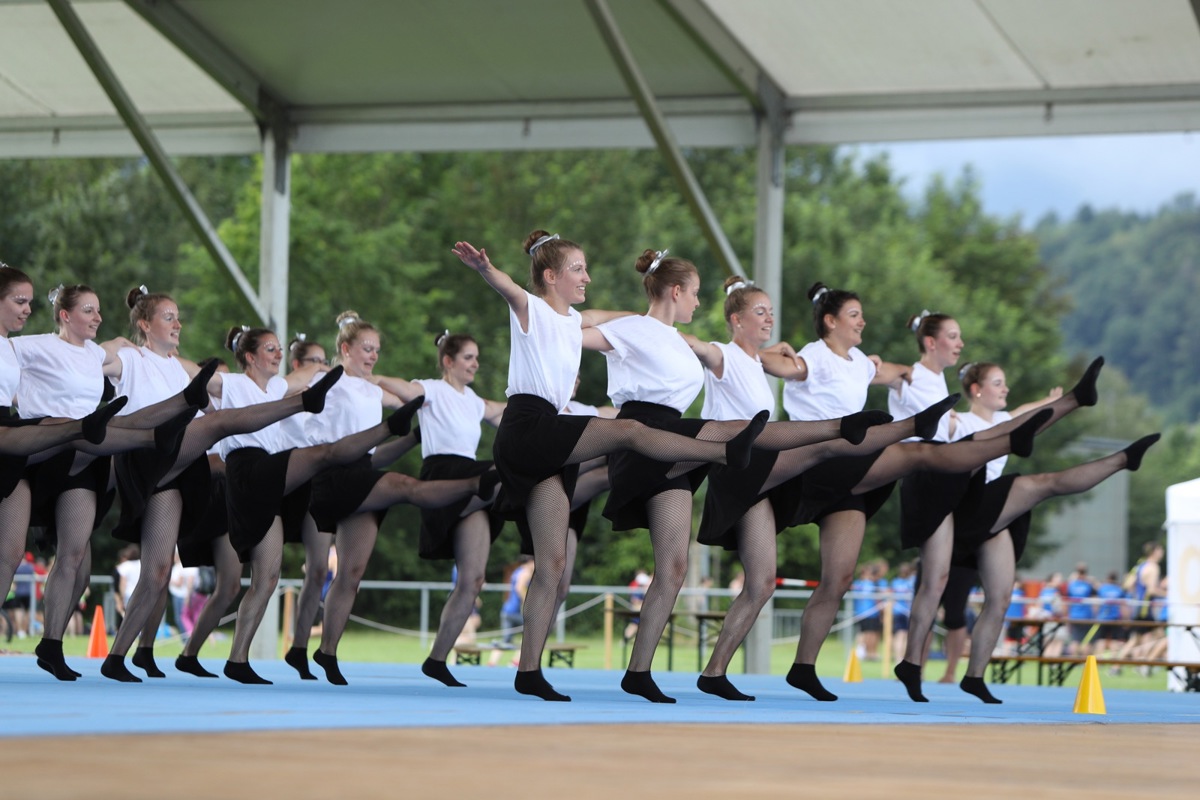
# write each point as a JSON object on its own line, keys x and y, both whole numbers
{"x": 74, "y": 513}
{"x": 160, "y": 531}
{"x": 757, "y": 552}
{"x": 935, "y": 572}
{"x": 264, "y": 577}
{"x": 228, "y": 568}
{"x": 316, "y": 568}
{"x": 14, "y": 526}
{"x": 670, "y": 517}
{"x": 997, "y": 569}
{"x": 355, "y": 542}
{"x": 1029, "y": 490}
{"x": 547, "y": 511}
{"x": 841, "y": 540}
{"x": 204, "y": 432}
{"x": 472, "y": 544}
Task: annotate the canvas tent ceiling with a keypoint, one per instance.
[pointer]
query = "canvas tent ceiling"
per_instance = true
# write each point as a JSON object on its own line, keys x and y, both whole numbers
{"x": 368, "y": 75}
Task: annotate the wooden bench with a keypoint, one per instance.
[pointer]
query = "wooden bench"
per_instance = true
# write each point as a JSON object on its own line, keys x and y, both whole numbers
{"x": 468, "y": 654}
{"x": 562, "y": 653}
{"x": 1059, "y": 667}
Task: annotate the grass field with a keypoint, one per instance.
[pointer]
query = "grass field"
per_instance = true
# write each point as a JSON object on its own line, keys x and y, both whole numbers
{"x": 364, "y": 645}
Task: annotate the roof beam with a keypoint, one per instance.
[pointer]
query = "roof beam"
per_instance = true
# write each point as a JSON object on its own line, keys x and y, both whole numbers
{"x": 692, "y": 191}
{"x": 153, "y": 150}
{"x": 210, "y": 56}
{"x": 721, "y": 48}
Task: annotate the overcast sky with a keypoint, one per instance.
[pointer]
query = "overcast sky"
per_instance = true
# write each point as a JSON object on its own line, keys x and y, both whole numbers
{"x": 1031, "y": 177}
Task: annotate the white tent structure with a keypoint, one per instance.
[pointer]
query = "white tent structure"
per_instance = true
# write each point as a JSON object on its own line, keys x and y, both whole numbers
{"x": 1183, "y": 567}
{"x": 168, "y": 78}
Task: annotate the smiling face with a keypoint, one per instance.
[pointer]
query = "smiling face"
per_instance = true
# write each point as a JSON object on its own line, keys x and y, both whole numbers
{"x": 263, "y": 361}
{"x": 360, "y": 355}
{"x": 756, "y": 322}
{"x": 15, "y": 307}
{"x": 161, "y": 330}
{"x": 992, "y": 390}
{"x": 460, "y": 370}
{"x": 845, "y": 328}
{"x": 570, "y": 282}
{"x": 945, "y": 348}
{"x": 81, "y": 323}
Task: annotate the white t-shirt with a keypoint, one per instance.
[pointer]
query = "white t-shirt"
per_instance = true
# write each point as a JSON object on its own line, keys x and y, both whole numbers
{"x": 927, "y": 388}
{"x": 650, "y": 362}
{"x": 969, "y": 423}
{"x": 148, "y": 378}
{"x": 835, "y": 386}
{"x": 58, "y": 379}
{"x": 131, "y": 571}
{"x": 742, "y": 390}
{"x": 238, "y": 391}
{"x": 450, "y": 419}
{"x": 181, "y": 579}
{"x": 544, "y": 360}
{"x": 352, "y": 406}
{"x": 10, "y": 373}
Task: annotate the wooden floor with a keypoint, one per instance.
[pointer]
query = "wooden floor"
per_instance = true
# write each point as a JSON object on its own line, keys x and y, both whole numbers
{"x": 616, "y": 761}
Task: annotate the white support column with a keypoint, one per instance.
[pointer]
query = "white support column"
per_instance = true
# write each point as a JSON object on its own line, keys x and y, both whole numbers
{"x": 275, "y": 230}
{"x": 768, "y": 274}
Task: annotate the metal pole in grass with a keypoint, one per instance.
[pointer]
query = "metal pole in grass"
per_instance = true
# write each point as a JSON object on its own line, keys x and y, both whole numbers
{"x": 424, "y": 618}
{"x": 608, "y": 630}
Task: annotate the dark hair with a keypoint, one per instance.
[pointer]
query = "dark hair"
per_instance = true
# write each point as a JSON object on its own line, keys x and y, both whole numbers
{"x": 974, "y": 373}
{"x": 10, "y": 277}
{"x": 299, "y": 347}
{"x": 142, "y": 306}
{"x": 827, "y": 301}
{"x": 449, "y": 345}
{"x": 350, "y": 326}
{"x": 549, "y": 255}
{"x": 67, "y": 298}
{"x": 242, "y": 340}
{"x": 926, "y": 324}
{"x": 669, "y": 273}
{"x": 737, "y": 300}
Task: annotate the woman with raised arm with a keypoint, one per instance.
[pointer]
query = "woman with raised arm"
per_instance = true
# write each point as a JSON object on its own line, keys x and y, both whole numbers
{"x": 991, "y": 524}
{"x": 841, "y": 494}
{"x": 352, "y": 499}
{"x": 25, "y": 441}
{"x": 537, "y": 449}
{"x": 163, "y": 495}
{"x": 268, "y": 484}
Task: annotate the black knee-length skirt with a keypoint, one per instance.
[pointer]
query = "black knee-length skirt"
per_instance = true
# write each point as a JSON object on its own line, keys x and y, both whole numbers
{"x": 50, "y": 478}
{"x": 733, "y": 492}
{"x": 196, "y": 544}
{"x": 634, "y": 478}
{"x": 438, "y": 524}
{"x": 827, "y": 487}
{"x": 532, "y": 444}
{"x": 926, "y": 499}
{"x": 138, "y": 475}
{"x": 979, "y": 512}
{"x": 338, "y": 492}
{"x": 255, "y": 495}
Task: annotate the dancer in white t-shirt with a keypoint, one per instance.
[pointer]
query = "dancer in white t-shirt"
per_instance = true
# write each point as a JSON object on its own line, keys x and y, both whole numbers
{"x": 537, "y": 449}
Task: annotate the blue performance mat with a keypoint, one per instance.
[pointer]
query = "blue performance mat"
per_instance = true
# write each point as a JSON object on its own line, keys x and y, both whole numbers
{"x": 32, "y": 703}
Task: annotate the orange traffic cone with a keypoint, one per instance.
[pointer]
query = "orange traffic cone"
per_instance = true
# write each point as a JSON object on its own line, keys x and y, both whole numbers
{"x": 1090, "y": 699}
{"x": 853, "y": 670}
{"x": 98, "y": 643}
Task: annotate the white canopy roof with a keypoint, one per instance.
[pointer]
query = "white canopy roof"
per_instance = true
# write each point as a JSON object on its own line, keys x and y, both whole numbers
{"x": 369, "y": 75}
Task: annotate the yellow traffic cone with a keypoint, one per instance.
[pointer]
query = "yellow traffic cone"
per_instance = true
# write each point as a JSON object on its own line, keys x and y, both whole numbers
{"x": 853, "y": 670}
{"x": 1089, "y": 699}
{"x": 98, "y": 643}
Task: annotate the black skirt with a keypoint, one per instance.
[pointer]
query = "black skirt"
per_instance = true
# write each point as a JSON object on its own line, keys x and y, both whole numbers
{"x": 733, "y": 492}
{"x": 532, "y": 444}
{"x": 926, "y": 499}
{"x": 138, "y": 475}
{"x": 254, "y": 496}
{"x": 438, "y": 524}
{"x": 338, "y": 492}
{"x": 195, "y": 544}
{"x": 634, "y": 478}
{"x": 50, "y": 478}
{"x": 977, "y": 515}
{"x": 827, "y": 487}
